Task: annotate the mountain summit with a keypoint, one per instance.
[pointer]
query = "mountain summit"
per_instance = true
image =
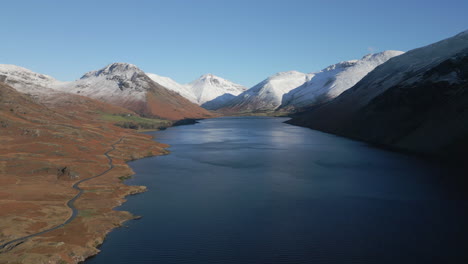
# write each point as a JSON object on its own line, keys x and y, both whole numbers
{"x": 208, "y": 90}
{"x": 120, "y": 83}
{"x": 209, "y": 87}
{"x": 118, "y": 68}
{"x": 27, "y": 81}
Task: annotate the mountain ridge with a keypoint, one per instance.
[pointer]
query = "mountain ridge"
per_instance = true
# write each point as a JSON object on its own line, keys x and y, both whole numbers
{"x": 333, "y": 80}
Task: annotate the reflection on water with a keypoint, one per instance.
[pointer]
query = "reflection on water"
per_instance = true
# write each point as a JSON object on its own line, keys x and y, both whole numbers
{"x": 255, "y": 190}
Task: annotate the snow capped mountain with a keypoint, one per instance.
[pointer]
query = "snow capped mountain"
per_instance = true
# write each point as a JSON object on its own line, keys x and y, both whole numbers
{"x": 27, "y": 81}
{"x": 335, "y": 79}
{"x": 182, "y": 89}
{"x": 268, "y": 94}
{"x": 115, "y": 82}
{"x": 209, "y": 87}
{"x": 208, "y": 90}
{"x": 416, "y": 101}
{"x": 126, "y": 85}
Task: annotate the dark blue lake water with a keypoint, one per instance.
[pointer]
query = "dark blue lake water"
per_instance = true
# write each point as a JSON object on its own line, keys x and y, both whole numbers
{"x": 255, "y": 190}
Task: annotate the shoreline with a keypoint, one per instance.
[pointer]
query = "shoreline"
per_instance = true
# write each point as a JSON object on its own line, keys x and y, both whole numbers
{"x": 450, "y": 157}
{"x": 140, "y": 189}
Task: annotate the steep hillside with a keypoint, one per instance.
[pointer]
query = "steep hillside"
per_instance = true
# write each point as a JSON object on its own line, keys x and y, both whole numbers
{"x": 416, "y": 102}
{"x": 182, "y": 89}
{"x": 43, "y": 152}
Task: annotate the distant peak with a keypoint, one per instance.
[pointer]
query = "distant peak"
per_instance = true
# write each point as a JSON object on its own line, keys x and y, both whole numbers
{"x": 18, "y": 70}
{"x": 462, "y": 34}
{"x": 286, "y": 74}
{"x": 209, "y": 76}
{"x": 341, "y": 65}
{"x": 120, "y": 66}
{"x": 11, "y": 67}
{"x": 387, "y": 53}
{"x": 116, "y": 68}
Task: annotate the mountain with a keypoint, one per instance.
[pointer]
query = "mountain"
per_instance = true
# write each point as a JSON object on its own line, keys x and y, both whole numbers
{"x": 39, "y": 88}
{"x": 333, "y": 80}
{"x": 27, "y": 81}
{"x": 416, "y": 102}
{"x": 127, "y": 86}
{"x": 210, "y": 87}
{"x": 209, "y": 90}
{"x": 268, "y": 94}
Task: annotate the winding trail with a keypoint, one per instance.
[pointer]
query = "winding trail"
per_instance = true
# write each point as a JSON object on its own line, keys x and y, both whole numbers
{"x": 13, "y": 243}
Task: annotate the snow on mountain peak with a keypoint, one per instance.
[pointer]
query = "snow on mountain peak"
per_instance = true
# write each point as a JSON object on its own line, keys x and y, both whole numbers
{"x": 208, "y": 76}
{"x": 209, "y": 87}
{"x": 212, "y": 79}
{"x": 206, "y": 88}
{"x": 118, "y": 68}
{"x": 285, "y": 75}
{"x": 464, "y": 33}
{"x": 341, "y": 65}
{"x": 335, "y": 79}
{"x": 116, "y": 81}
{"x": 267, "y": 95}
{"x": 381, "y": 56}
{"x": 25, "y": 80}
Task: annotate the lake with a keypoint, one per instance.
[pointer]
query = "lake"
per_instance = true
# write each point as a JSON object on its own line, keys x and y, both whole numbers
{"x": 256, "y": 190}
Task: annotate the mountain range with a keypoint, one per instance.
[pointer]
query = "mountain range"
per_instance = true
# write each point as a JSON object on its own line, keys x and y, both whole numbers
{"x": 153, "y": 95}
{"x": 288, "y": 91}
{"x": 206, "y": 89}
{"x": 414, "y": 101}
{"x": 119, "y": 84}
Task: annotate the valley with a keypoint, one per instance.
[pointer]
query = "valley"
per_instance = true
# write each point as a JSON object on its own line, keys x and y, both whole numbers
{"x": 64, "y": 145}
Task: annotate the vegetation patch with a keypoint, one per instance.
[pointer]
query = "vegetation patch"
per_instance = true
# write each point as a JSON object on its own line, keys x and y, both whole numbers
{"x": 135, "y": 122}
{"x": 123, "y": 178}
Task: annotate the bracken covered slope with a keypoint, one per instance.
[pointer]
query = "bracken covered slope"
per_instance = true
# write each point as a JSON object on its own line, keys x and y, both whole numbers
{"x": 43, "y": 152}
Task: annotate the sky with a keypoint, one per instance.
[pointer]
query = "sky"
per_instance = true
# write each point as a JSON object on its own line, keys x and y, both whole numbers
{"x": 242, "y": 41}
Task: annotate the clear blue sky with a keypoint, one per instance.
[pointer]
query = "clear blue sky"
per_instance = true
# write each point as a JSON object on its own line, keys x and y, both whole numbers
{"x": 243, "y": 41}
